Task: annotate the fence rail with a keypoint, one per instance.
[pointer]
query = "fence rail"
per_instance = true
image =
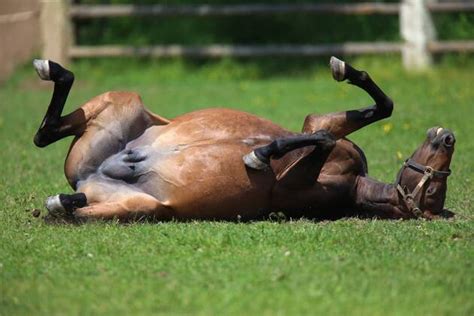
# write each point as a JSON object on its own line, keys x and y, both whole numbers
{"x": 417, "y": 30}
{"x": 102, "y": 11}
{"x": 216, "y": 51}
{"x": 451, "y": 46}
{"x": 446, "y": 7}
{"x": 85, "y": 11}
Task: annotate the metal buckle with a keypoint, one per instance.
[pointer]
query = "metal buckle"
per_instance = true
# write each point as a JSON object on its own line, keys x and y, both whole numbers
{"x": 429, "y": 171}
{"x": 417, "y": 212}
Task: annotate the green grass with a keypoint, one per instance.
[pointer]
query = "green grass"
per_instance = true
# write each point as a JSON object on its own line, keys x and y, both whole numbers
{"x": 367, "y": 267}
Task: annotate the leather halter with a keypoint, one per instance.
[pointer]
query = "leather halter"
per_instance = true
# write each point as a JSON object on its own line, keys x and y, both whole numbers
{"x": 428, "y": 174}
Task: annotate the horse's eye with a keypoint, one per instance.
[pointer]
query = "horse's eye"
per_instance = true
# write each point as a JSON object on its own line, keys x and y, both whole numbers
{"x": 431, "y": 191}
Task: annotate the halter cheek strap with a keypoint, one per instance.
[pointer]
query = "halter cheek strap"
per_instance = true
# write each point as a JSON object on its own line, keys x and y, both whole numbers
{"x": 410, "y": 197}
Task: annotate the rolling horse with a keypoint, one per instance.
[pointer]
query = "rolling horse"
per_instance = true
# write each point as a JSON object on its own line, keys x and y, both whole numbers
{"x": 128, "y": 163}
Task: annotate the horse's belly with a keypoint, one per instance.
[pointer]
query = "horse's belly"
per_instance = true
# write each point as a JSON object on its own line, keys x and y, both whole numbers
{"x": 208, "y": 181}
{"x": 196, "y": 167}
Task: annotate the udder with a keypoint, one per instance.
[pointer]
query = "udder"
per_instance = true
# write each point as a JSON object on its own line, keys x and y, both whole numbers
{"x": 127, "y": 165}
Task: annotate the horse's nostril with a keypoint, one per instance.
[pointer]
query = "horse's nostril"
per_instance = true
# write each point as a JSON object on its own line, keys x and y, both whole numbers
{"x": 448, "y": 140}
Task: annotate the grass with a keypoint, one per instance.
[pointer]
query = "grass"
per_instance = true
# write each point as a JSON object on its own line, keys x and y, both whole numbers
{"x": 368, "y": 267}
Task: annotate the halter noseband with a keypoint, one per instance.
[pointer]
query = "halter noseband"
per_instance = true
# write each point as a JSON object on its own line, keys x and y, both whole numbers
{"x": 428, "y": 173}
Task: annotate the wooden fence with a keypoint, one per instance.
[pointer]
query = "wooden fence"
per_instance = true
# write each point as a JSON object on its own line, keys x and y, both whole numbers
{"x": 17, "y": 21}
{"x": 416, "y": 28}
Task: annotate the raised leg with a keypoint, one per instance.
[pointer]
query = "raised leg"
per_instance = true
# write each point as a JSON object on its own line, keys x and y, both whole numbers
{"x": 323, "y": 130}
{"x": 102, "y": 126}
{"x": 260, "y": 157}
{"x": 52, "y": 128}
{"x": 343, "y": 123}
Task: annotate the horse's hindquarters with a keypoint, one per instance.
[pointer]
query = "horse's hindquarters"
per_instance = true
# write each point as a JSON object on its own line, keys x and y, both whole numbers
{"x": 110, "y": 121}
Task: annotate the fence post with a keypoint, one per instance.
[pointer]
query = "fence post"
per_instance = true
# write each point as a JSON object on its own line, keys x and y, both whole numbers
{"x": 55, "y": 30}
{"x": 417, "y": 30}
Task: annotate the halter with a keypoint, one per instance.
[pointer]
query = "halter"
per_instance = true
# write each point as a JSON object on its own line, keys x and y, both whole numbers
{"x": 428, "y": 173}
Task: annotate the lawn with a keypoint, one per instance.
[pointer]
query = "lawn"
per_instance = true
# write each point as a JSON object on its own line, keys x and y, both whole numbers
{"x": 367, "y": 267}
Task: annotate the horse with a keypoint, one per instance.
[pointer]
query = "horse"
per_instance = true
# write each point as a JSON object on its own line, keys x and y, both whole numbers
{"x": 127, "y": 163}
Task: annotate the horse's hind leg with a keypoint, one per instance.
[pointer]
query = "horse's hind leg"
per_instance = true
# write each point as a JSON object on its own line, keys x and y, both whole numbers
{"x": 343, "y": 123}
{"x": 127, "y": 208}
{"x": 66, "y": 203}
{"x": 107, "y": 199}
{"x": 102, "y": 126}
{"x": 52, "y": 127}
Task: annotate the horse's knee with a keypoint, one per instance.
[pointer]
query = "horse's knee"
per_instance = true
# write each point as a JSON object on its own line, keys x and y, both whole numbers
{"x": 326, "y": 140}
{"x": 386, "y": 107}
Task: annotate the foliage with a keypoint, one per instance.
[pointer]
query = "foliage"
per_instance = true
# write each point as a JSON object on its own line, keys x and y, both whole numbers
{"x": 278, "y": 29}
{"x": 293, "y": 267}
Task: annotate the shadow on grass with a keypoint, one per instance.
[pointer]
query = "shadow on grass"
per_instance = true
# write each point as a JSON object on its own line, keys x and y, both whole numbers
{"x": 274, "y": 217}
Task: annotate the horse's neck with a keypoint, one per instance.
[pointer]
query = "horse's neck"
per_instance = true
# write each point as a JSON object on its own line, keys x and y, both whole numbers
{"x": 378, "y": 198}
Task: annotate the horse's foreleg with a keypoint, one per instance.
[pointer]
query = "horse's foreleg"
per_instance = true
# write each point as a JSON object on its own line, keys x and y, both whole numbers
{"x": 259, "y": 158}
{"x": 343, "y": 123}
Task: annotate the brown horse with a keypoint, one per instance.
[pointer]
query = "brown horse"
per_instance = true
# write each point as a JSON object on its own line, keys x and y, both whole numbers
{"x": 219, "y": 164}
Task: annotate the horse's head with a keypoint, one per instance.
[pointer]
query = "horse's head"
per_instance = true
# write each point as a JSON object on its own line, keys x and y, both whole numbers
{"x": 422, "y": 181}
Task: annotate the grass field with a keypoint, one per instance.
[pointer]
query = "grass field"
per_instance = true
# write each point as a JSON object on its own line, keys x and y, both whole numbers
{"x": 366, "y": 267}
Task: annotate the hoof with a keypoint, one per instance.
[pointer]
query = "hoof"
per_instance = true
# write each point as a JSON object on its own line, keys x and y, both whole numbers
{"x": 42, "y": 68}
{"x": 252, "y": 161}
{"x": 54, "y": 205}
{"x": 338, "y": 69}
